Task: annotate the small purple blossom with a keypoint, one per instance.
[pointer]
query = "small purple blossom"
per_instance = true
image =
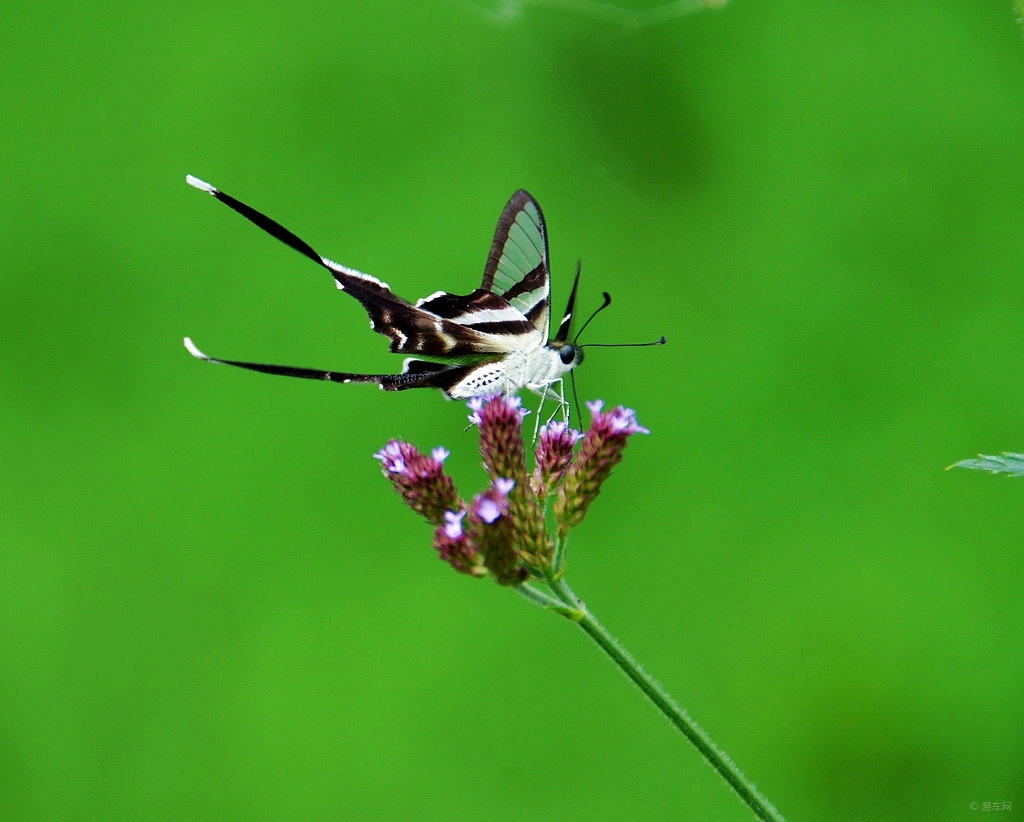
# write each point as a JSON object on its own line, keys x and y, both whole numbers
{"x": 487, "y": 510}
{"x": 619, "y": 420}
{"x": 505, "y": 405}
{"x": 503, "y": 487}
{"x": 453, "y": 524}
{"x": 493, "y": 503}
{"x": 476, "y": 405}
{"x": 559, "y": 430}
{"x": 393, "y": 456}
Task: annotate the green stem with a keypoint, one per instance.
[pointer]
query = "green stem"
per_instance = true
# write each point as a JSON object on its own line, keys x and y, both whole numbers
{"x": 544, "y": 600}
{"x": 718, "y": 759}
{"x": 561, "y": 543}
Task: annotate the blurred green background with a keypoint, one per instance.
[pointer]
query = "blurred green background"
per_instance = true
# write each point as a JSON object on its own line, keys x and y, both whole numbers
{"x": 213, "y": 607}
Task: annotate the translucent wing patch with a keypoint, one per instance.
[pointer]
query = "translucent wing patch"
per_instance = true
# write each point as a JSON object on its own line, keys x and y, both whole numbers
{"x": 517, "y": 265}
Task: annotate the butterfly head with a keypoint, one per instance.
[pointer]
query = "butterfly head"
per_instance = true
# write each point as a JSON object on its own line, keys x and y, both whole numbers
{"x": 570, "y": 354}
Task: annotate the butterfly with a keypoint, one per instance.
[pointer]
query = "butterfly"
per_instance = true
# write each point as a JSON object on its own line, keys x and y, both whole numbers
{"x": 495, "y": 340}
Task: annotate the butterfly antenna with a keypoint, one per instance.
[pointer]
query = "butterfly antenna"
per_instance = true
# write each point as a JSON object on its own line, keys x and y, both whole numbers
{"x": 572, "y": 374}
{"x": 607, "y": 302}
{"x": 661, "y": 341}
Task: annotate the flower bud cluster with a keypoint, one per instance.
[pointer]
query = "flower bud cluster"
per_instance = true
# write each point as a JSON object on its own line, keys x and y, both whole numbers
{"x": 553, "y": 456}
{"x": 500, "y": 420}
{"x": 503, "y": 532}
{"x": 420, "y": 479}
{"x": 600, "y": 452}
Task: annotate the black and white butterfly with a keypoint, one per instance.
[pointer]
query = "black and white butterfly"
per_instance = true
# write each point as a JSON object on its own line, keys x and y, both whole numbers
{"x": 494, "y": 340}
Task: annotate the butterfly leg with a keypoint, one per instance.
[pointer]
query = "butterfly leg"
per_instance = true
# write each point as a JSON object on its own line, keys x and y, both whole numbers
{"x": 562, "y": 406}
{"x": 549, "y": 393}
{"x": 536, "y": 419}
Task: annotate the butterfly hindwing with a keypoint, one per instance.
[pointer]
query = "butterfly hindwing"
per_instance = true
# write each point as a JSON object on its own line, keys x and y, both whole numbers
{"x": 415, "y": 373}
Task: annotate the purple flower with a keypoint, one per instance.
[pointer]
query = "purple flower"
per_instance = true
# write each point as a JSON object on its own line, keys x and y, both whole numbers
{"x": 487, "y": 510}
{"x": 453, "y": 524}
{"x": 475, "y": 404}
{"x": 393, "y": 456}
{"x": 492, "y": 503}
{"x": 503, "y": 486}
{"x": 506, "y": 406}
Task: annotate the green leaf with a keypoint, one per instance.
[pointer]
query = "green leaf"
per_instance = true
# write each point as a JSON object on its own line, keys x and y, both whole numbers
{"x": 1008, "y": 463}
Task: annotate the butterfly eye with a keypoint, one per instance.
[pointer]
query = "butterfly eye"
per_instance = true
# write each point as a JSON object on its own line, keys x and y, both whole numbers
{"x": 567, "y": 353}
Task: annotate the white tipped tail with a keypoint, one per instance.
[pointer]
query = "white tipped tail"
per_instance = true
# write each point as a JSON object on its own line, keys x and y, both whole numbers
{"x": 200, "y": 184}
{"x": 195, "y": 352}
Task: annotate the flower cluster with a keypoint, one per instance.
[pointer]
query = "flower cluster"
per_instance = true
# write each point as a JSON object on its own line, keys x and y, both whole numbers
{"x": 503, "y": 532}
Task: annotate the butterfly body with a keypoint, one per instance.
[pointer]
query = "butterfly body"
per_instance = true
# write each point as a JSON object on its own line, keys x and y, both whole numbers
{"x": 532, "y": 368}
{"x": 494, "y": 340}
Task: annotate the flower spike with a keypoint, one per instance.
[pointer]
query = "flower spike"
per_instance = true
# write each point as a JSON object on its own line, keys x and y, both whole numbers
{"x": 421, "y": 480}
{"x": 600, "y": 452}
{"x": 553, "y": 456}
{"x": 500, "y": 420}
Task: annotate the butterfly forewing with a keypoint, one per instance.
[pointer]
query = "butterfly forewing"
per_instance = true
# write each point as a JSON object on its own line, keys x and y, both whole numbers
{"x": 517, "y": 266}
